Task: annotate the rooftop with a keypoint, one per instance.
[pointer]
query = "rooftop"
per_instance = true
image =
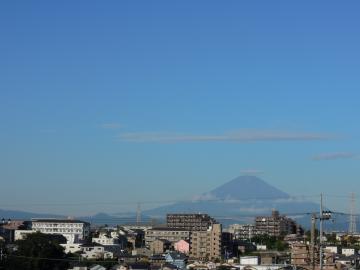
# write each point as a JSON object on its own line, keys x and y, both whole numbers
{"x": 168, "y": 229}
{"x": 48, "y": 220}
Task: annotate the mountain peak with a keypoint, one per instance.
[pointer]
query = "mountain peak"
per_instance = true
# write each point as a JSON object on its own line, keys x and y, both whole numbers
{"x": 247, "y": 187}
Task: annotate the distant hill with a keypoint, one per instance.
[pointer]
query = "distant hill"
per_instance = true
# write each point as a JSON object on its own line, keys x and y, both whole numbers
{"x": 100, "y": 218}
{"x": 15, "y": 214}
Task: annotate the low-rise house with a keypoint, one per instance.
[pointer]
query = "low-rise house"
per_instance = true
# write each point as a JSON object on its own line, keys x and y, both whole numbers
{"x": 344, "y": 261}
{"x": 182, "y": 246}
{"x": 106, "y": 238}
{"x": 71, "y": 248}
{"x": 332, "y": 249}
{"x": 159, "y": 246}
{"x": 273, "y": 257}
{"x": 95, "y": 251}
{"x": 348, "y": 251}
{"x": 177, "y": 259}
{"x": 249, "y": 260}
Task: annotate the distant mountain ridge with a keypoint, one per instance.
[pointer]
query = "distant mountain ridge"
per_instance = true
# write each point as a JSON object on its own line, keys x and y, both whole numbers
{"x": 15, "y": 214}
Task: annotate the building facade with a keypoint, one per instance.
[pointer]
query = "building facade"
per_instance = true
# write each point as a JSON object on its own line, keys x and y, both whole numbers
{"x": 205, "y": 245}
{"x": 165, "y": 233}
{"x": 159, "y": 246}
{"x": 189, "y": 222}
{"x": 243, "y": 231}
{"x": 275, "y": 225}
{"x": 74, "y": 231}
{"x": 182, "y": 246}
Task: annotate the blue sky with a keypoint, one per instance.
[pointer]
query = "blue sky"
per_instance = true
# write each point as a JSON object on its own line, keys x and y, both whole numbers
{"x": 129, "y": 101}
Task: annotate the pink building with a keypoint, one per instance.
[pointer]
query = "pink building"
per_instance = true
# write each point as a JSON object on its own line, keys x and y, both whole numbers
{"x": 182, "y": 246}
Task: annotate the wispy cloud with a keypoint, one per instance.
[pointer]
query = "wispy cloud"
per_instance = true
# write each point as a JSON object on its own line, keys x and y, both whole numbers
{"x": 111, "y": 126}
{"x": 239, "y": 137}
{"x": 251, "y": 172}
{"x": 333, "y": 156}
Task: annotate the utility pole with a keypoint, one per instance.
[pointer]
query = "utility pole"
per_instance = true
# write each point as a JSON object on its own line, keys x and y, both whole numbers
{"x": 321, "y": 232}
{"x": 324, "y": 215}
{"x": 312, "y": 241}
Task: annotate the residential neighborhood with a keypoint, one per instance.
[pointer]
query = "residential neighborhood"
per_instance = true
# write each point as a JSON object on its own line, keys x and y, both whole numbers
{"x": 188, "y": 241}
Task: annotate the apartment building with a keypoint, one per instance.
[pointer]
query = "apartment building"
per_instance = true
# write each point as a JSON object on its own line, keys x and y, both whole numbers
{"x": 243, "y": 231}
{"x": 74, "y": 231}
{"x": 189, "y": 222}
{"x": 275, "y": 225}
{"x": 206, "y": 244}
{"x": 165, "y": 233}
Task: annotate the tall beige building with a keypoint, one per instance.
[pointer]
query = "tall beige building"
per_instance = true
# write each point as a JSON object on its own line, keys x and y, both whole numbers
{"x": 206, "y": 245}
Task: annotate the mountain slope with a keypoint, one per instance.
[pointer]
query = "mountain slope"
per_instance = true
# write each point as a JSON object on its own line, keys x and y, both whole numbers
{"x": 247, "y": 187}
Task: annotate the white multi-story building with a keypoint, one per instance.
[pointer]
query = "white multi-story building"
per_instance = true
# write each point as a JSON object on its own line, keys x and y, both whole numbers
{"x": 74, "y": 231}
{"x": 107, "y": 239}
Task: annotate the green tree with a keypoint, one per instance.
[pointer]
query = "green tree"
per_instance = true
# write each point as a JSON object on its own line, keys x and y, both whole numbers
{"x": 38, "y": 252}
{"x": 271, "y": 242}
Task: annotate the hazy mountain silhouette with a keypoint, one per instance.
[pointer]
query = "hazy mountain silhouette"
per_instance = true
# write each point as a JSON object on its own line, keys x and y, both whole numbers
{"x": 240, "y": 200}
{"x": 247, "y": 187}
{"x": 15, "y": 214}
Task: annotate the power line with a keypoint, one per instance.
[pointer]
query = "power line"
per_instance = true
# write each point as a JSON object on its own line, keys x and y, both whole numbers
{"x": 296, "y": 197}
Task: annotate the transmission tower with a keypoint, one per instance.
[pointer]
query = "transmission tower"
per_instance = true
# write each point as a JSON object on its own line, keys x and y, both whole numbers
{"x": 352, "y": 223}
{"x": 138, "y": 214}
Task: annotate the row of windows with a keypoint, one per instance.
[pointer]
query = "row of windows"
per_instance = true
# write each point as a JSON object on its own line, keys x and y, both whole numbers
{"x": 67, "y": 225}
{"x": 166, "y": 233}
{"x": 61, "y": 230}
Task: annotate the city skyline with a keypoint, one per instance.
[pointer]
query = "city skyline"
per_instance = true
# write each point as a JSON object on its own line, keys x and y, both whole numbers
{"x": 157, "y": 101}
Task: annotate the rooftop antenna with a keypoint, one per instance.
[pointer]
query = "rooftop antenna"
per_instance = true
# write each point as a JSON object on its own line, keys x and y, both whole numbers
{"x": 352, "y": 223}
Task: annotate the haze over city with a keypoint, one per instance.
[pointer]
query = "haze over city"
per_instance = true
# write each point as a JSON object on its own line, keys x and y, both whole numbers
{"x": 106, "y": 105}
